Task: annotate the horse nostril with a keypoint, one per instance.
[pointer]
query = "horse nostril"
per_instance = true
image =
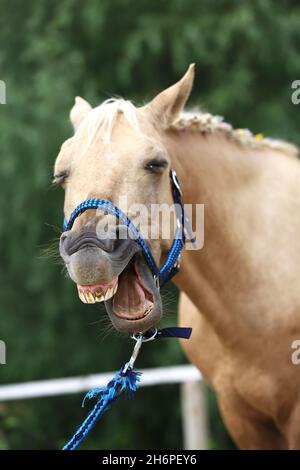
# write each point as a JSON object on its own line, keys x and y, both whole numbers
{"x": 63, "y": 237}
{"x": 63, "y": 243}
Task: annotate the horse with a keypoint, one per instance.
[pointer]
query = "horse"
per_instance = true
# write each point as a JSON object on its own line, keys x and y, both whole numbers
{"x": 240, "y": 292}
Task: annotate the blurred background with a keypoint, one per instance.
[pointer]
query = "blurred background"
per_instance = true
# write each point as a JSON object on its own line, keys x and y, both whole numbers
{"x": 247, "y": 56}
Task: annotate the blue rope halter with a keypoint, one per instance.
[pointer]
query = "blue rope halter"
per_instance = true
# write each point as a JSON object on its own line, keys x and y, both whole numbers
{"x": 171, "y": 265}
{"x": 126, "y": 380}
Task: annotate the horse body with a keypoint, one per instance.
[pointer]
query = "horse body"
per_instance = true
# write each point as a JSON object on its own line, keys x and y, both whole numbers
{"x": 240, "y": 292}
{"x": 242, "y": 289}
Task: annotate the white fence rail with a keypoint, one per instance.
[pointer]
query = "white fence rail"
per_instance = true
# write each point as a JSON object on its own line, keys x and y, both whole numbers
{"x": 193, "y": 399}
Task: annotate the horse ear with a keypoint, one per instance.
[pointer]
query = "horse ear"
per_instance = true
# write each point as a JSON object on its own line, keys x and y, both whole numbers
{"x": 169, "y": 103}
{"x": 79, "y": 111}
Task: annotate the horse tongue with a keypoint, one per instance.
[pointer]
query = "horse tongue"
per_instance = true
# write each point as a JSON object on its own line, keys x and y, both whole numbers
{"x": 129, "y": 300}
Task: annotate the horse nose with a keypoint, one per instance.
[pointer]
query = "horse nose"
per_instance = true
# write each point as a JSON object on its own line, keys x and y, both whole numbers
{"x": 70, "y": 242}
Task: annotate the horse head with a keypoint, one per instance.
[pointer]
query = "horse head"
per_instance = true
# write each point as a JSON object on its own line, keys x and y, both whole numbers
{"x": 117, "y": 154}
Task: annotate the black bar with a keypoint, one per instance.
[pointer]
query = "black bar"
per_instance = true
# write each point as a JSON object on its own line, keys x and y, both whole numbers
{"x": 134, "y": 459}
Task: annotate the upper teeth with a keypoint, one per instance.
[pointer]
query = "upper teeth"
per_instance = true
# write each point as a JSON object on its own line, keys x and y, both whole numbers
{"x": 89, "y": 297}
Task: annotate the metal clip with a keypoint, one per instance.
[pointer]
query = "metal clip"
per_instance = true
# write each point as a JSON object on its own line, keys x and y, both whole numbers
{"x": 156, "y": 281}
{"x": 145, "y": 338}
{"x": 140, "y": 338}
{"x": 136, "y": 350}
{"x": 175, "y": 181}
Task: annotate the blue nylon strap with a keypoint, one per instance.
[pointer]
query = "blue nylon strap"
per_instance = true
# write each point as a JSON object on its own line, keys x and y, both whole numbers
{"x": 171, "y": 265}
{"x": 170, "y": 332}
{"x": 114, "y": 210}
{"x": 174, "y": 332}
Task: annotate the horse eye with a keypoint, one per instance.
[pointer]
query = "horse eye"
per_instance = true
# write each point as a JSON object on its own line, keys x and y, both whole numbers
{"x": 156, "y": 166}
{"x": 60, "y": 178}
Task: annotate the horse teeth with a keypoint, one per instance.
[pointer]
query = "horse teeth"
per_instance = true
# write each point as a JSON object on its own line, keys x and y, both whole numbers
{"x": 109, "y": 294}
{"x": 100, "y": 298}
{"x": 148, "y": 310}
{"x": 90, "y": 297}
{"x": 115, "y": 289}
{"x": 81, "y": 296}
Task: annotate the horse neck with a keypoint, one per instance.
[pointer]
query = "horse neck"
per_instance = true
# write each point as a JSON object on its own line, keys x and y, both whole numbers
{"x": 225, "y": 176}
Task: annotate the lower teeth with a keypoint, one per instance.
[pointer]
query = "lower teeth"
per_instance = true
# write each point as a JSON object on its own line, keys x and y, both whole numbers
{"x": 148, "y": 310}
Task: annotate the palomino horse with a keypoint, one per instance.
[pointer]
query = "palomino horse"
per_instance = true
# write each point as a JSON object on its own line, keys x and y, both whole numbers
{"x": 240, "y": 293}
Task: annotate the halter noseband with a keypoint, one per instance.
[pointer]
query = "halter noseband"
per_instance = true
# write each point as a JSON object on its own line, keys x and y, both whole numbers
{"x": 171, "y": 265}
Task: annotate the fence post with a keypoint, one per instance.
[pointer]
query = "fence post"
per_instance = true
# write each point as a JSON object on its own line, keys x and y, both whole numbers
{"x": 194, "y": 415}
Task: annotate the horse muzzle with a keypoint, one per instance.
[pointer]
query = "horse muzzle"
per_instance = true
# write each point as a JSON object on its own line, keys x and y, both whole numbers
{"x": 121, "y": 272}
{"x": 113, "y": 271}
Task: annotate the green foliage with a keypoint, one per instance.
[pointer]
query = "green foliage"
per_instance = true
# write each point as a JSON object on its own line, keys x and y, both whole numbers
{"x": 247, "y": 57}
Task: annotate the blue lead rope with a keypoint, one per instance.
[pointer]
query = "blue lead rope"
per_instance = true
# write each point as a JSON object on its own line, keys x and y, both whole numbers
{"x": 122, "y": 382}
{"x": 126, "y": 380}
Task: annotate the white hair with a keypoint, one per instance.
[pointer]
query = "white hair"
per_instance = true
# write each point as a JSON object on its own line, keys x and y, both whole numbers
{"x": 104, "y": 116}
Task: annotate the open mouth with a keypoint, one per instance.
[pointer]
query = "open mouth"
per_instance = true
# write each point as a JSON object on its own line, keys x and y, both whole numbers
{"x": 127, "y": 297}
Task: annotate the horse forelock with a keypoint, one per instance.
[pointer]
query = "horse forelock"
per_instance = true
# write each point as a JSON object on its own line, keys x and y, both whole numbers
{"x": 102, "y": 119}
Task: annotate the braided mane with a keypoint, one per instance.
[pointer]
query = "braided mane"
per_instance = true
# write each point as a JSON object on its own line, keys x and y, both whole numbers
{"x": 207, "y": 123}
